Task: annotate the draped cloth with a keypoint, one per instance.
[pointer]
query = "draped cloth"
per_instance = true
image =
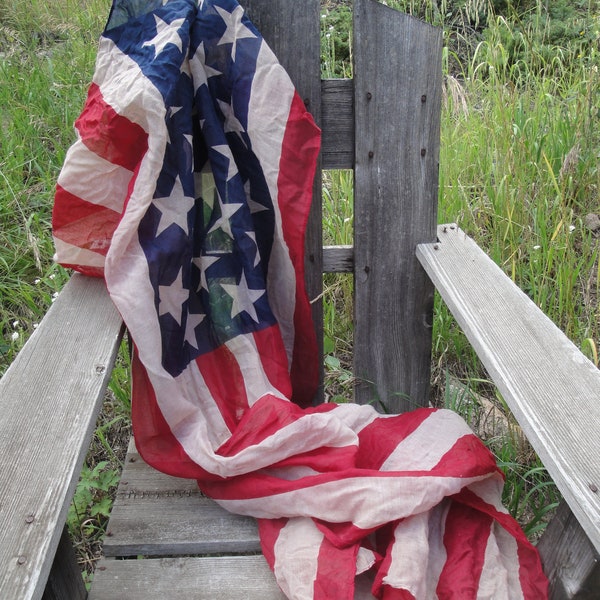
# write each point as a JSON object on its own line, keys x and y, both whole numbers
{"x": 188, "y": 189}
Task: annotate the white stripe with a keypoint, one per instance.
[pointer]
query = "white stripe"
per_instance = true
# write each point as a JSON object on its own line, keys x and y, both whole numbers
{"x": 94, "y": 179}
{"x": 357, "y": 416}
{"x": 73, "y": 255}
{"x": 428, "y": 444}
{"x": 200, "y": 418}
{"x": 125, "y": 87}
{"x": 268, "y": 110}
{"x": 410, "y": 553}
{"x": 418, "y": 553}
{"x": 500, "y": 574}
{"x": 256, "y": 382}
{"x": 364, "y": 501}
{"x": 296, "y": 558}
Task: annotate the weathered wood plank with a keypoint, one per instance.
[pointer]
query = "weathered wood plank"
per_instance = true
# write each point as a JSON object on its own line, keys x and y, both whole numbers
{"x": 337, "y": 107}
{"x": 292, "y": 30}
{"x": 551, "y": 388}
{"x": 570, "y": 561}
{"x": 49, "y": 399}
{"x": 397, "y": 81}
{"x": 155, "y": 514}
{"x": 338, "y": 259}
{"x": 201, "y": 578}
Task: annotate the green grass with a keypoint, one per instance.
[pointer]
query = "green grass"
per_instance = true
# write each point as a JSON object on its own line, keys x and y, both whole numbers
{"x": 46, "y": 61}
{"x": 518, "y": 171}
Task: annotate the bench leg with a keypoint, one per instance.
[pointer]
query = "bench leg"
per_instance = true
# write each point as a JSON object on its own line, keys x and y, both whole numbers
{"x": 570, "y": 561}
{"x": 65, "y": 581}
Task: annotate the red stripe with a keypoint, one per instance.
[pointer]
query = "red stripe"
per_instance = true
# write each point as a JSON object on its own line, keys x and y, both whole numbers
{"x": 224, "y": 379}
{"x": 335, "y": 572}
{"x": 297, "y": 167}
{"x": 153, "y": 437}
{"x": 468, "y": 457}
{"x": 89, "y": 271}
{"x": 534, "y": 583}
{"x": 268, "y": 531}
{"x": 385, "y": 541}
{"x": 383, "y": 435}
{"x": 342, "y": 534}
{"x": 82, "y": 223}
{"x": 466, "y": 536}
{"x": 273, "y": 358}
{"x": 110, "y": 135}
{"x": 267, "y": 416}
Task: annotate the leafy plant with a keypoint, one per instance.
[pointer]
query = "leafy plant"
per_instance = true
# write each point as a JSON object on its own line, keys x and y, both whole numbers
{"x": 91, "y": 504}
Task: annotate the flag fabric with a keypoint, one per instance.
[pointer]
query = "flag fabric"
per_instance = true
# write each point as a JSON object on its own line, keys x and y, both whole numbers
{"x": 188, "y": 189}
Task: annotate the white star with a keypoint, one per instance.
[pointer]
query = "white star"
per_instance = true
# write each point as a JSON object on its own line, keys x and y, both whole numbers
{"x": 227, "y": 211}
{"x": 172, "y": 298}
{"x": 193, "y": 320}
{"x": 236, "y": 30}
{"x": 166, "y": 33}
{"x": 243, "y": 298}
{"x": 252, "y": 204}
{"x": 252, "y": 236}
{"x": 203, "y": 262}
{"x": 225, "y": 150}
{"x": 231, "y": 122}
{"x": 201, "y": 72}
{"x": 174, "y": 208}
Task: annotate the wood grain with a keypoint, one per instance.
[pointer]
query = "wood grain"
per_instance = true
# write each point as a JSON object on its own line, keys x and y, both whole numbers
{"x": 548, "y": 384}
{"x": 49, "y": 400}
{"x": 397, "y": 83}
{"x": 181, "y": 578}
{"x": 569, "y": 559}
{"x": 155, "y": 514}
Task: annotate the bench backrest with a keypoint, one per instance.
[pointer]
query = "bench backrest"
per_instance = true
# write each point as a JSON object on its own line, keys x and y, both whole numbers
{"x": 394, "y": 102}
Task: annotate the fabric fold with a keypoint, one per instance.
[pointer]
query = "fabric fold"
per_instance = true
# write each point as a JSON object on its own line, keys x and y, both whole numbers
{"x": 188, "y": 189}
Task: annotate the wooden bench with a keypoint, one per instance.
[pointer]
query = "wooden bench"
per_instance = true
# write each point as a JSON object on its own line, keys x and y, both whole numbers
{"x": 164, "y": 539}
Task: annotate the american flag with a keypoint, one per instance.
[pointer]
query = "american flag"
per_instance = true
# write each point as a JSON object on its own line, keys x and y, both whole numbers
{"x": 188, "y": 189}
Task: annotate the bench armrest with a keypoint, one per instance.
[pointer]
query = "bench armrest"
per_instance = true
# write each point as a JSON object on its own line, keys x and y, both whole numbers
{"x": 552, "y": 389}
{"x": 49, "y": 401}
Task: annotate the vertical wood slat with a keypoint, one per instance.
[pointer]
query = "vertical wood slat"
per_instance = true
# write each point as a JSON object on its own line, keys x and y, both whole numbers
{"x": 65, "y": 580}
{"x": 292, "y": 30}
{"x": 570, "y": 561}
{"x": 397, "y": 82}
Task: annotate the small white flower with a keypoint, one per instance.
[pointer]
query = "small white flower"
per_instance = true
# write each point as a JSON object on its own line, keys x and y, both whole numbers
{"x": 37, "y": 281}
{"x": 35, "y": 325}
{"x": 15, "y": 336}
{"x": 52, "y": 276}
{"x": 572, "y": 228}
{"x": 536, "y": 247}
{"x": 15, "y": 324}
